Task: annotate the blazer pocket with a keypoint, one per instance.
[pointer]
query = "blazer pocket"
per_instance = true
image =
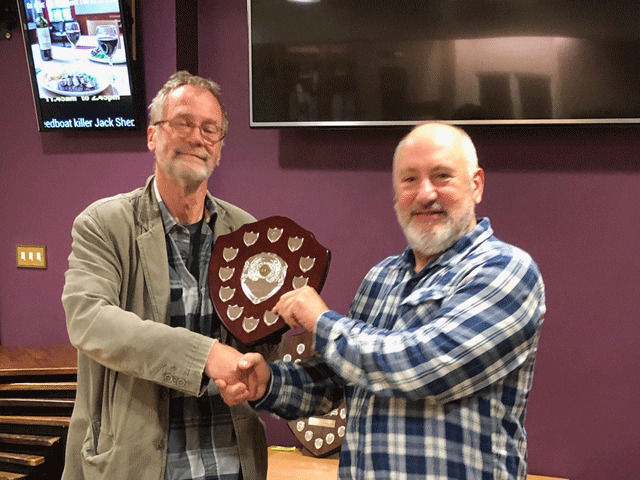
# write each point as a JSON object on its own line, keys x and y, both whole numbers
{"x": 97, "y": 446}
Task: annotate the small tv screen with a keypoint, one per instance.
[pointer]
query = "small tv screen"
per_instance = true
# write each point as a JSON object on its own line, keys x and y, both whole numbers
{"x": 401, "y": 62}
{"x": 81, "y": 56}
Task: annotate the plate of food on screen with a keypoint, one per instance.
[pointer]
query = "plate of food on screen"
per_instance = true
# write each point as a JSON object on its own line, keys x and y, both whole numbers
{"x": 73, "y": 83}
{"x": 98, "y": 55}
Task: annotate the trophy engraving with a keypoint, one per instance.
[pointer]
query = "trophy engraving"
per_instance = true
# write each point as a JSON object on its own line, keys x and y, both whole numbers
{"x": 274, "y": 234}
{"x": 295, "y": 243}
{"x": 250, "y": 324}
{"x": 306, "y": 263}
{"x": 250, "y": 238}
{"x": 225, "y": 273}
{"x": 299, "y": 282}
{"x": 254, "y": 266}
{"x": 229, "y": 253}
{"x": 234, "y": 312}
{"x": 227, "y": 293}
{"x": 270, "y": 318}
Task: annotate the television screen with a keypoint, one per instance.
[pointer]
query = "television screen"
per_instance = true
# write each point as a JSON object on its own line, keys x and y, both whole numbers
{"x": 401, "y": 62}
{"x": 81, "y": 55}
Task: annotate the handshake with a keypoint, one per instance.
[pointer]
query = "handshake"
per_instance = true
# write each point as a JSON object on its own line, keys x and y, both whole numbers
{"x": 238, "y": 377}
{"x": 246, "y": 377}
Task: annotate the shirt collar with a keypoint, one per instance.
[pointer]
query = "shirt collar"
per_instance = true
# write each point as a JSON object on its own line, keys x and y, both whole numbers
{"x": 477, "y": 235}
{"x": 169, "y": 222}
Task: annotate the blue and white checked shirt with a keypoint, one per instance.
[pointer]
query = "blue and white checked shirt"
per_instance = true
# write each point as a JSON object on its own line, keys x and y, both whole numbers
{"x": 436, "y": 367}
{"x": 202, "y": 443}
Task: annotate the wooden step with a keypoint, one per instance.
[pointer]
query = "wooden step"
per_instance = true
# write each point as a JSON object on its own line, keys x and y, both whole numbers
{"x": 21, "y": 459}
{"x": 12, "y": 387}
{"x": 11, "y": 476}
{"x": 36, "y": 420}
{"x": 37, "y": 402}
{"x": 30, "y": 360}
{"x": 18, "y": 439}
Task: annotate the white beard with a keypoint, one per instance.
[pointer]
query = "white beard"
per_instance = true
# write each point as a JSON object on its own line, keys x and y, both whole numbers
{"x": 441, "y": 237}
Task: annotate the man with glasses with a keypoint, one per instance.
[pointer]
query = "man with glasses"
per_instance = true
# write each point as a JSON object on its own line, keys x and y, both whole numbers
{"x": 138, "y": 310}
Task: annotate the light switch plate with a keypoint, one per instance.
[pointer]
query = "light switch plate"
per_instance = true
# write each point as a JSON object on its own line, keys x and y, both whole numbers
{"x": 31, "y": 256}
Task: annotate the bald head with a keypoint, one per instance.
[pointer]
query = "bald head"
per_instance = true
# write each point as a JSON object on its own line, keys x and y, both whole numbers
{"x": 440, "y": 136}
{"x": 437, "y": 184}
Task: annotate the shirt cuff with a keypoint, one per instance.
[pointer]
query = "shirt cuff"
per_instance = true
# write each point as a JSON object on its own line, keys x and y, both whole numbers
{"x": 271, "y": 394}
{"x": 204, "y": 384}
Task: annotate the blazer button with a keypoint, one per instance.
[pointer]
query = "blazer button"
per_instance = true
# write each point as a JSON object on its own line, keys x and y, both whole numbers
{"x": 168, "y": 378}
{"x": 160, "y": 445}
{"x": 181, "y": 382}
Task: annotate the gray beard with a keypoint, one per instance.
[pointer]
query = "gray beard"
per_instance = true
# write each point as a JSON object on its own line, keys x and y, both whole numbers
{"x": 431, "y": 244}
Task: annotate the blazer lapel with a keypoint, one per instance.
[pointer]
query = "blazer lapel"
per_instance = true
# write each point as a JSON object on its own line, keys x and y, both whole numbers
{"x": 153, "y": 254}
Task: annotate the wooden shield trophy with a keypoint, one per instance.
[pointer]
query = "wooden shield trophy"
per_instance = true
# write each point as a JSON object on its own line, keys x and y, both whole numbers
{"x": 252, "y": 267}
{"x": 320, "y": 436}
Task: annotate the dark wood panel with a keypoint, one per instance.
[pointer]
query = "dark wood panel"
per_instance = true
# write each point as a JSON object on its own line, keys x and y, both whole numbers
{"x": 37, "y": 395}
{"x": 46, "y": 403}
{"x": 11, "y": 476}
{"x": 22, "y": 459}
{"x": 18, "y": 439}
{"x": 47, "y": 360}
{"x": 45, "y": 421}
{"x": 45, "y": 386}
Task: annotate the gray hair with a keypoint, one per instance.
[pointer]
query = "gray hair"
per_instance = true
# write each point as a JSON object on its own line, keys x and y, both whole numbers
{"x": 177, "y": 80}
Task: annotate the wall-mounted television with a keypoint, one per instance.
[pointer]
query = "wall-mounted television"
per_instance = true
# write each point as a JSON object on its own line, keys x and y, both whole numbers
{"x": 393, "y": 63}
{"x": 83, "y": 63}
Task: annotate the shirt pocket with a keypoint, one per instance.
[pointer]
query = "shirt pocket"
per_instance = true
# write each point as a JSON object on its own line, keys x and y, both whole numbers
{"x": 421, "y": 307}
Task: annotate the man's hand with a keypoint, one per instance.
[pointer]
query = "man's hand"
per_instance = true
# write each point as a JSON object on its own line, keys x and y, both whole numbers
{"x": 222, "y": 364}
{"x": 255, "y": 375}
{"x": 302, "y": 306}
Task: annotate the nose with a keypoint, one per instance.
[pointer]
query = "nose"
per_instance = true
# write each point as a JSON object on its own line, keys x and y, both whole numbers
{"x": 196, "y": 135}
{"x": 426, "y": 192}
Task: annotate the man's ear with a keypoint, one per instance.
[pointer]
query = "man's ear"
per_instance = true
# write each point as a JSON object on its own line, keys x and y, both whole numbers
{"x": 151, "y": 138}
{"x": 478, "y": 185}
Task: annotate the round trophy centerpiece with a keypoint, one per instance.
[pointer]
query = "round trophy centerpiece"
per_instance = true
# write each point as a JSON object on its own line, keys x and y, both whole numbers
{"x": 262, "y": 276}
{"x": 252, "y": 267}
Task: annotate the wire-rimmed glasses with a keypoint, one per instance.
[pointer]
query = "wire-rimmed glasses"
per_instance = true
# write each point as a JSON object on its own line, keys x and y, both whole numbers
{"x": 211, "y": 133}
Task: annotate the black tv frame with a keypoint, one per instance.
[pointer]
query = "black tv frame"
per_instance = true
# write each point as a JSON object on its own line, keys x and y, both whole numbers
{"x": 100, "y": 111}
{"x": 306, "y": 31}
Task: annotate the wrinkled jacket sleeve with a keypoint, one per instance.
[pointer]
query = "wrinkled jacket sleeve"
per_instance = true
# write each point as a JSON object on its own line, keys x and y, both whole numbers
{"x": 107, "y": 319}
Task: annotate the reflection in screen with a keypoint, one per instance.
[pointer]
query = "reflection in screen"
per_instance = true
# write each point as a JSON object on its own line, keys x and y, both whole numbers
{"x": 408, "y": 61}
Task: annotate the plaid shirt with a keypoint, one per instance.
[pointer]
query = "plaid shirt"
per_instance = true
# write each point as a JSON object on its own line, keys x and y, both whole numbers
{"x": 202, "y": 443}
{"x": 437, "y": 365}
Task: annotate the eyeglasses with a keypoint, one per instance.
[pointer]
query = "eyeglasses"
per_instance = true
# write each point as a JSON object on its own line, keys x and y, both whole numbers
{"x": 211, "y": 132}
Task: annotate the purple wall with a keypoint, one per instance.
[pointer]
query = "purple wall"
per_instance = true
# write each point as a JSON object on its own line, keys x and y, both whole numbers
{"x": 567, "y": 195}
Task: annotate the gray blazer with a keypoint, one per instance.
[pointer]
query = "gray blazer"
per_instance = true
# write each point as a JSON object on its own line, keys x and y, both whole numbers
{"x": 115, "y": 298}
